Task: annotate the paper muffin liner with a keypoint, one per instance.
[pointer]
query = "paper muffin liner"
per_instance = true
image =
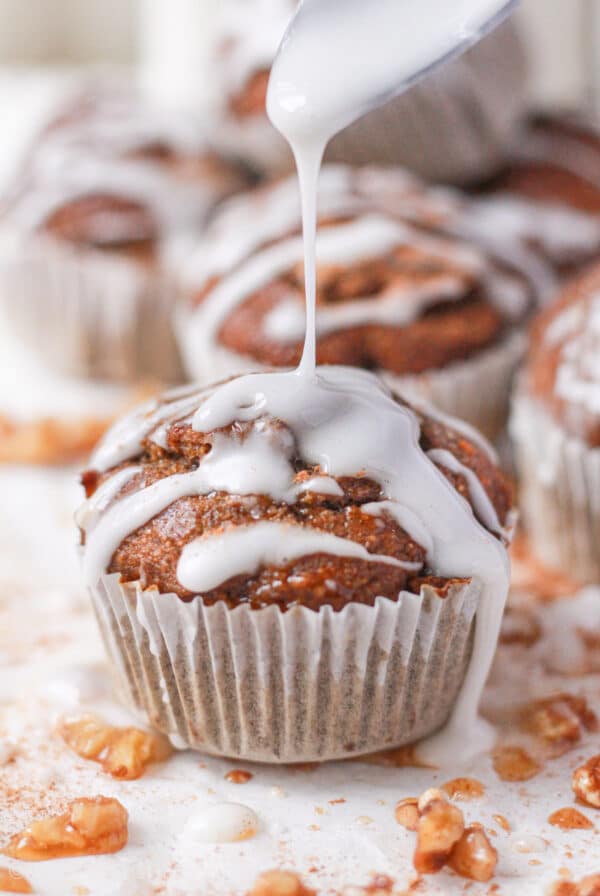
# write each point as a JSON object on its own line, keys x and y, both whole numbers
{"x": 86, "y": 313}
{"x": 293, "y": 686}
{"x": 476, "y": 390}
{"x": 560, "y": 490}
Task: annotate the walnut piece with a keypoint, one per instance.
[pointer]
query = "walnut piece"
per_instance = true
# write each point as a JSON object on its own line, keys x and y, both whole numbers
{"x": 558, "y": 722}
{"x": 513, "y": 763}
{"x": 13, "y": 882}
{"x": 589, "y": 886}
{"x": 280, "y": 883}
{"x": 407, "y": 813}
{"x": 441, "y": 826}
{"x": 123, "y": 753}
{"x": 474, "y": 856}
{"x": 89, "y": 827}
{"x": 570, "y": 819}
{"x": 586, "y": 782}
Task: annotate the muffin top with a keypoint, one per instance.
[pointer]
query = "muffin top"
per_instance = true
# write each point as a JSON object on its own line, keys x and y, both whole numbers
{"x": 396, "y": 290}
{"x": 112, "y": 172}
{"x": 558, "y": 160}
{"x": 279, "y": 490}
{"x": 563, "y": 369}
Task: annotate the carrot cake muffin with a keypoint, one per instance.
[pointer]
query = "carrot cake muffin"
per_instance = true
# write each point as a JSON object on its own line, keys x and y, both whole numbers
{"x": 107, "y": 182}
{"x": 398, "y": 292}
{"x": 556, "y": 167}
{"x": 556, "y": 431}
{"x": 268, "y": 546}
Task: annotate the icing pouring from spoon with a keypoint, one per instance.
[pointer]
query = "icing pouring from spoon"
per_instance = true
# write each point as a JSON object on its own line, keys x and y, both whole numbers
{"x": 341, "y": 58}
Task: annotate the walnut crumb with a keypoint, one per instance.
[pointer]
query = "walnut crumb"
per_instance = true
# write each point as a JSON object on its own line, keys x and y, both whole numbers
{"x": 589, "y": 886}
{"x": 89, "y": 827}
{"x": 280, "y": 883}
{"x": 570, "y": 819}
{"x": 13, "y": 882}
{"x": 123, "y": 753}
{"x": 513, "y": 763}
{"x": 464, "y": 789}
{"x": 586, "y": 782}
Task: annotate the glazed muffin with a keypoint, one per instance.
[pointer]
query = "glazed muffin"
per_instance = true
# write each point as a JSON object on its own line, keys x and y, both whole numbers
{"x": 556, "y": 168}
{"x": 108, "y": 182}
{"x": 556, "y": 430}
{"x": 397, "y": 293}
{"x": 258, "y": 602}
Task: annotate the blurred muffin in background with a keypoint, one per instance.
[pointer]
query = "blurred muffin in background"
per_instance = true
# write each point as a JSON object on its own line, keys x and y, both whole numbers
{"x": 555, "y": 168}
{"x": 556, "y": 431}
{"x": 456, "y": 127}
{"x": 397, "y": 293}
{"x": 106, "y": 184}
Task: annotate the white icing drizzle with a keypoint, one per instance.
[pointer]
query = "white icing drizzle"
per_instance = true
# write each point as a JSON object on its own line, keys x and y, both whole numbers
{"x": 89, "y": 513}
{"x": 365, "y": 237}
{"x": 312, "y": 95}
{"x": 578, "y": 375}
{"x": 394, "y": 307}
{"x": 209, "y": 561}
{"x": 480, "y": 500}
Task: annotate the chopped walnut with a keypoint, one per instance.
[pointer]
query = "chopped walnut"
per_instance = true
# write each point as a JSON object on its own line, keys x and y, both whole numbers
{"x": 589, "y": 886}
{"x": 558, "y": 722}
{"x": 440, "y": 827}
{"x": 280, "y": 883}
{"x": 13, "y": 882}
{"x": 474, "y": 856}
{"x": 123, "y": 752}
{"x": 570, "y": 819}
{"x": 89, "y": 827}
{"x": 513, "y": 763}
{"x": 464, "y": 788}
{"x": 586, "y": 782}
{"x": 407, "y": 814}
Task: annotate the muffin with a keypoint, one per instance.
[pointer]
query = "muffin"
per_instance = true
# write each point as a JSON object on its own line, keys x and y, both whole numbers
{"x": 288, "y": 569}
{"x": 83, "y": 229}
{"x": 556, "y": 169}
{"x": 397, "y": 293}
{"x": 475, "y": 106}
{"x": 556, "y": 431}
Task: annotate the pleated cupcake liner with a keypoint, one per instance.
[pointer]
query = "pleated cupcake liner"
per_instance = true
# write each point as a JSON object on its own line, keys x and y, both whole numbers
{"x": 560, "y": 490}
{"x": 283, "y": 687}
{"x": 476, "y": 390}
{"x": 87, "y": 314}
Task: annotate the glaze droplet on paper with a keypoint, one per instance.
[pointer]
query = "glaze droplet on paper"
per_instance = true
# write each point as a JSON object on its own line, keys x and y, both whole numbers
{"x": 222, "y": 823}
